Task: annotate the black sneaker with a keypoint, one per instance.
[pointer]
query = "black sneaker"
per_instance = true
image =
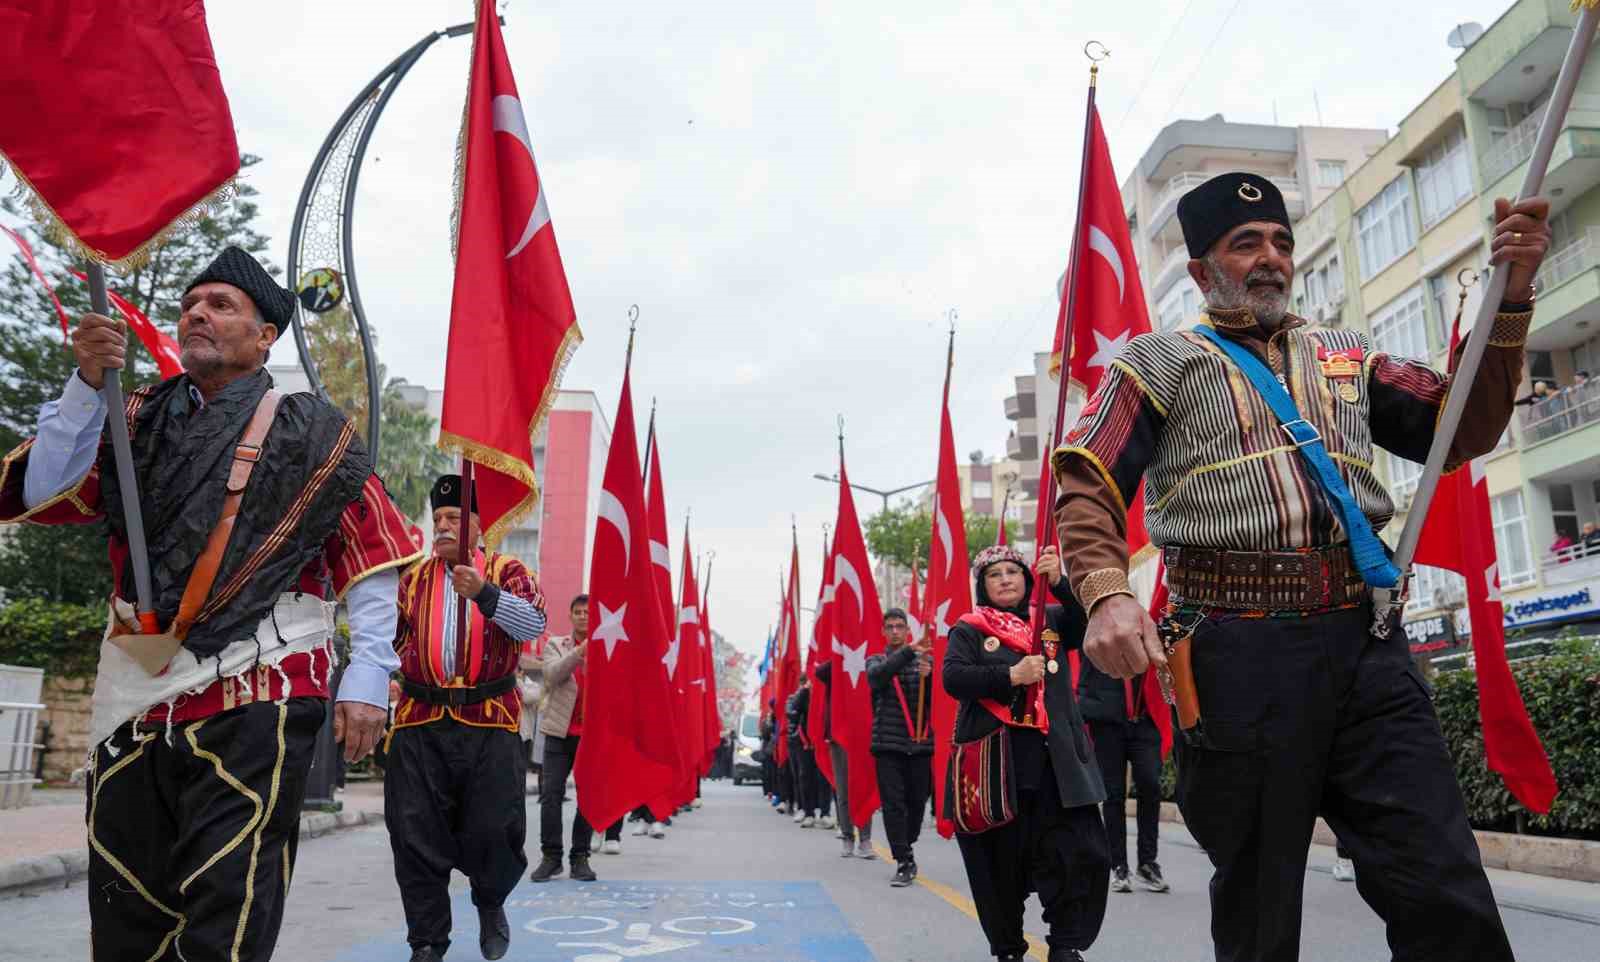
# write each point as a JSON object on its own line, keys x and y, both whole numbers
{"x": 1119, "y": 879}
{"x": 580, "y": 870}
{"x": 494, "y": 932}
{"x": 1150, "y": 878}
{"x": 903, "y": 876}
{"x": 1064, "y": 954}
{"x": 547, "y": 869}
{"x": 426, "y": 953}
{"x": 912, "y": 865}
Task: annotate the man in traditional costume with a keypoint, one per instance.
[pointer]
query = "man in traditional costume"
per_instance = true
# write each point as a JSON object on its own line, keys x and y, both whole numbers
{"x": 255, "y": 505}
{"x": 453, "y": 793}
{"x": 1267, "y": 523}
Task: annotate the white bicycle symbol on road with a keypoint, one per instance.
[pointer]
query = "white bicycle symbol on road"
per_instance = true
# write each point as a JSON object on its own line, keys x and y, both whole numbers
{"x": 639, "y": 941}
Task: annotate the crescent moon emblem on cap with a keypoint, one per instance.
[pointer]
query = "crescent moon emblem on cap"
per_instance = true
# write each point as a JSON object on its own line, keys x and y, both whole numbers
{"x": 1249, "y": 192}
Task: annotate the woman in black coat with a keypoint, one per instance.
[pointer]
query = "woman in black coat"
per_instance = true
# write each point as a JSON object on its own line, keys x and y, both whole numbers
{"x": 1056, "y": 845}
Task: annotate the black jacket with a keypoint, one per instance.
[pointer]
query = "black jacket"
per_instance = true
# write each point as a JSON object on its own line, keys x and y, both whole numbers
{"x": 890, "y": 732}
{"x": 798, "y": 708}
{"x": 971, "y": 673}
{"x": 822, "y": 676}
{"x": 1103, "y": 698}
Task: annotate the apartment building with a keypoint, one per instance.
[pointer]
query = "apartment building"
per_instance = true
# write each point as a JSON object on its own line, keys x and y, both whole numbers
{"x": 1382, "y": 252}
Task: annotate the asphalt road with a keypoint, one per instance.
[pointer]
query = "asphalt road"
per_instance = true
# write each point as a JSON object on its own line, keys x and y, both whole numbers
{"x": 735, "y": 880}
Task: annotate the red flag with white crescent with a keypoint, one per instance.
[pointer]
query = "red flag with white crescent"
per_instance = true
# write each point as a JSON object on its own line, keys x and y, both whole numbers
{"x": 821, "y": 654}
{"x": 1459, "y": 536}
{"x": 626, "y": 756}
{"x": 949, "y": 597}
{"x": 512, "y": 324}
{"x": 857, "y": 633}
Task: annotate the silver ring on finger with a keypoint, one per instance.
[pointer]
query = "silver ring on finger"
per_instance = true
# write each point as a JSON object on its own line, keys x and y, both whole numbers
{"x": 1516, "y": 237}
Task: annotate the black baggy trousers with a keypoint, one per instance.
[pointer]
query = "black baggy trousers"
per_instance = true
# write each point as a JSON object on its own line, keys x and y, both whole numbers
{"x": 904, "y": 783}
{"x": 1311, "y": 716}
{"x": 453, "y": 798}
{"x": 192, "y": 840}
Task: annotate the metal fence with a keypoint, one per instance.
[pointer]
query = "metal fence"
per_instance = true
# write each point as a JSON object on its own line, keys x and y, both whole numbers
{"x": 1567, "y": 410}
{"x": 18, "y": 723}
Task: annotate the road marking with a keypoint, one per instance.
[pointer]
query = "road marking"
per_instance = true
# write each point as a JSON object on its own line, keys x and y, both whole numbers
{"x": 1037, "y": 948}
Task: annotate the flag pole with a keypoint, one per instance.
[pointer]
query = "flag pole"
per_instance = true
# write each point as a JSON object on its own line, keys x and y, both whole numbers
{"x": 1472, "y": 356}
{"x": 464, "y": 557}
{"x": 1042, "y": 536}
{"x": 127, "y": 481}
{"x": 929, "y": 628}
{"x": 649, "y": 443}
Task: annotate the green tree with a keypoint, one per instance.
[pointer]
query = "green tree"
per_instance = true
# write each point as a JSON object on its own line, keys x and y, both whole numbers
{"x": 69, "y": 563}
{"x": 902, "y": 535}
{"x": 408, "y": 460}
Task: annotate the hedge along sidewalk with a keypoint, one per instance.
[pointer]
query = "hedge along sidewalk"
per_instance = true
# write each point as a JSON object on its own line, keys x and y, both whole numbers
{"x": 1564, "y": 858}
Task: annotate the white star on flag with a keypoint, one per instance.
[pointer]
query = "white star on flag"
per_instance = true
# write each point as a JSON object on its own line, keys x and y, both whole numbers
{"x": 1491, "y": 577}
{"x": 611, "y": 629}
{"x": 670, "y": 659}
{"x": 854, "y": 661}
{"x": 1106, "y": 349}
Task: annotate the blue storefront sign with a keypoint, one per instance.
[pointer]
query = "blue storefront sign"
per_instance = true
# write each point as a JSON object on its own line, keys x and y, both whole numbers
{"x": 1566, "y": 603}
{"x": 565, "y": 921}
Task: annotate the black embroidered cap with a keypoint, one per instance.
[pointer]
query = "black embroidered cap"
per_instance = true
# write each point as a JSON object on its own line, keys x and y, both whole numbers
{"x": 234, "y": 266}
{"x": 1223, "y": 203}
{"x": 446, "y": 493}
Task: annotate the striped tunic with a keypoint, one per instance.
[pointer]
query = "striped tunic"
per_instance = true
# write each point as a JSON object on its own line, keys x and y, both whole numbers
{"x": 1218, "y": 468}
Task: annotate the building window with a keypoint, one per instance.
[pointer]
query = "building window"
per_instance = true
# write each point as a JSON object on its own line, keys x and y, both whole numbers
{"x": 982, "y": 489}
{"x": 1444, "y": 302}
{"x": 1399, "y": 329}
{"x": 1384, "y": 228}
{"x": 1330, "y": 173}
{"x": 1436, "y": 588}
{"x": 1564, "y": 511}
{"x": 1403, "y": 476}
{"x": 1511, "y": 539}
{"x": 1444, "y": 178}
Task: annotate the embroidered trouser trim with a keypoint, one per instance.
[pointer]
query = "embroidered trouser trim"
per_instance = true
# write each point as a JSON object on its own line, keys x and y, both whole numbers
{"x": 192, "y": 841}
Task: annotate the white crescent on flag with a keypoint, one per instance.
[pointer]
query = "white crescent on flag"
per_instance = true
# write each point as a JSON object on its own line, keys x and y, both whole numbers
{"x": 845, "y": 574}
{"x": 612, "y": 510}
{"x": 1101, "y": 244}
{"x": 660, "y": 557}
{"x": 508, "y": 119}
{"x": 945, "y": 537}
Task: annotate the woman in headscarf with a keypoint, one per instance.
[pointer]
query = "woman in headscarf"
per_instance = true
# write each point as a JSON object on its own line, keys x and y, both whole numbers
{"x": 1055, "y": 845}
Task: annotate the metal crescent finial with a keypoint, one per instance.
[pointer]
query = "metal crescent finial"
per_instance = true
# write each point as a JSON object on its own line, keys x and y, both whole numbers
{"x": 633, "y": 314}
{"x": 841, "y": 427}
{"x": 951, "y": 315}
{"x": 1464, "y": 271}
{"x": 1104, "y": 53}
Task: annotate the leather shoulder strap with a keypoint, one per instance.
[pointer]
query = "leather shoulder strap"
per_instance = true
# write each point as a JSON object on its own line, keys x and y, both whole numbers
{"x": 245, "y": 456}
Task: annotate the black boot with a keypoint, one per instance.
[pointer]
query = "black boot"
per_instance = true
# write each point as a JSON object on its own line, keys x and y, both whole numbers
{"x": 426, "y": 953}
{"x": 580, "y": 870}
{"x": 547, "y": 869}
{"x": 494, "y": 932}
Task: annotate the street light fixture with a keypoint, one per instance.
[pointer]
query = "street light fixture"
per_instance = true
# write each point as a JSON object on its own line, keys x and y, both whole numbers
{"x": 885, "y": 495}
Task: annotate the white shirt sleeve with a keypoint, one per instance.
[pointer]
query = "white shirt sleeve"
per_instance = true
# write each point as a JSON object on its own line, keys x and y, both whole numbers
{"x": 66, "y": 441}
{"x": 518, "y": 617}
{"x": 373, "y": 603}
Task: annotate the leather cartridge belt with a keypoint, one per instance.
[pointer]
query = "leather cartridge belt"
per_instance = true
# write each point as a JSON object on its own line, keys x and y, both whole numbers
{"x": 1264, "y": 580}
{"x": 456, "y": 697}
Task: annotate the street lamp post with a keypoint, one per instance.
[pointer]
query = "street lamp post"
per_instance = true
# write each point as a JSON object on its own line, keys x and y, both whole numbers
{"x": 885, "y": 495}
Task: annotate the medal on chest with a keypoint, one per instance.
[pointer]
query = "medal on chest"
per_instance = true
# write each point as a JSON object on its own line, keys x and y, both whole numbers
{"x": 1052, "y": 644}
{"x": 1341, "y": 368}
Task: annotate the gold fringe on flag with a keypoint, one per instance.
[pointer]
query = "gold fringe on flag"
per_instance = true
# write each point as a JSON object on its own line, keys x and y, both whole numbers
{"x": 57, "y": 232}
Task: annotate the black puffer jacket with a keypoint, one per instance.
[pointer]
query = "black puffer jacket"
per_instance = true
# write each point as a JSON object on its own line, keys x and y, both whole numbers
{"x": 890, "y": 733}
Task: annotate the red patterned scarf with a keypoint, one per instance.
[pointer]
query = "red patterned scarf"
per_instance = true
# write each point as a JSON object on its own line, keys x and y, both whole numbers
{"x": 1014, "y": 633}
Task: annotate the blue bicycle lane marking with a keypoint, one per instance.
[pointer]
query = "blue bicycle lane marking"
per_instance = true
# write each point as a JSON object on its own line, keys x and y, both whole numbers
{"x": 614, "y": 921}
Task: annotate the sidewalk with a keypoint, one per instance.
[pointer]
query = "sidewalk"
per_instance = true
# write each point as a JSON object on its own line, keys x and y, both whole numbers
{"x": 44, "y": 845}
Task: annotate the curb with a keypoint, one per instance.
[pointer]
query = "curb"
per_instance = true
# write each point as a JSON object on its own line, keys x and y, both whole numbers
{"x": 1564, "y": 858}
{"x": 36, "y": 873}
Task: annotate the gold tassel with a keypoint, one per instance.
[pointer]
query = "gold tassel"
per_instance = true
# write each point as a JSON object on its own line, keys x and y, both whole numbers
{"x": 1584, "y": 4}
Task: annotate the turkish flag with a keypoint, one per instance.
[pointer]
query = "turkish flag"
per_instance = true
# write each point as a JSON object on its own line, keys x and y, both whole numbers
{"x": 512, "y": 325}
{"x": 660, "y": 556}
{"x": 949, "y": 597}
{"x": 821, "y": 653}
{"x": 114, "y": 114}
{"x": 1459, "y": 536}
{"x": 627, "y": 754}
{"x": 691, "y": 672}
{"x": 1105, "y": 301}
{"x": 712, "y": 733}
{"x": 857, "y": 632}
{"x": 788, "y": 668}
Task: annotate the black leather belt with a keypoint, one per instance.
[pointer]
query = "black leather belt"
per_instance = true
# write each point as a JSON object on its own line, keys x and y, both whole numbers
{"x": 1264, "y": 580}
{"x": 456, "y": 697}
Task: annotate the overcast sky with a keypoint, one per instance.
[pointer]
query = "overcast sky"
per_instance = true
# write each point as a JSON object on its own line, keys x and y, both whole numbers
{"x": 794, "y": 193}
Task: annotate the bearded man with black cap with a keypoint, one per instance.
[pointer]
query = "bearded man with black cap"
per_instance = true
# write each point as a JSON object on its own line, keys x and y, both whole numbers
{"x": 453, "y": 791}
{"x": 1029, "y": 821}
{"x": 203, "y": 734}
{"x": 1254, "y": 438}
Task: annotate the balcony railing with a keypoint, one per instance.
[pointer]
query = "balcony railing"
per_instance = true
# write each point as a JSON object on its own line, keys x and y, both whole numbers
{"x": 1571, "y": 260}
{"x": 1512, "y": 149}
{"x": 1567, "y": 410}
{"x": 1580, "y": 562}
